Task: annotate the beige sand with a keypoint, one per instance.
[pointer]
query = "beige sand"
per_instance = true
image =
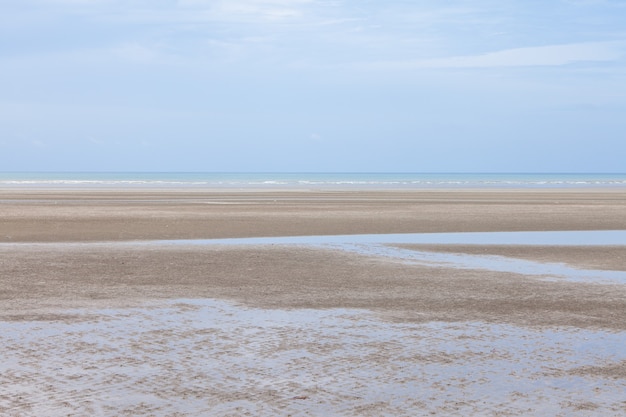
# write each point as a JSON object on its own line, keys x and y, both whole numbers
{"x": 31, "y": 216}
{"x": 284, "y": 277}
{"x": 42, "y": 285}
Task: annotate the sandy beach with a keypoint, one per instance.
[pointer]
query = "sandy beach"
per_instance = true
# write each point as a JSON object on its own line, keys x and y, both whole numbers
{"x": 105, "y": 215}
{"x": 98, "y": 321}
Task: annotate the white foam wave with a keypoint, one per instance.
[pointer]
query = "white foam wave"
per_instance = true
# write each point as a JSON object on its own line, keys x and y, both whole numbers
{"x": 315, "y": 180}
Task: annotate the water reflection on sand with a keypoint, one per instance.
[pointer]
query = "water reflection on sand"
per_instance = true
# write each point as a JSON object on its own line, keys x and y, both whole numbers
{"x": 382, "y": 245}
{"x": 212, "y": 357}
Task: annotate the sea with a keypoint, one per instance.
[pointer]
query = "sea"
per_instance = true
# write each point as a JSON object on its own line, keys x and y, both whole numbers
{"x": 310, "y": 180}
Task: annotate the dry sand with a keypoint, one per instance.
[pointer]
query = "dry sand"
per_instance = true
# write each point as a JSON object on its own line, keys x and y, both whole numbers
{"x": 95, "y": 327}
{"x": 56, "y": 216}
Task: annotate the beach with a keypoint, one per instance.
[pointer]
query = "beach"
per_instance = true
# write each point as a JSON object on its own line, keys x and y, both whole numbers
{"x": 44, "y": 215}
{"x": 104, "y": 311}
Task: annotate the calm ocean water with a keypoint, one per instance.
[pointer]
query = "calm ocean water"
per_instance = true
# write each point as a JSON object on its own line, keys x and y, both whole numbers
{"x": 310, "y": 180}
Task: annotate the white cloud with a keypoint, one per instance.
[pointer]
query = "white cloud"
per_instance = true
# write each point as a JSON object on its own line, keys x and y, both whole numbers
{"x": 273, "y": 10}
{"x": 551, "y": 55}
{"x": 73, "y": 2}
{"x": 617, "y": 3}
{"x": 133, "y": 53}
{"x": 95, "y": 141}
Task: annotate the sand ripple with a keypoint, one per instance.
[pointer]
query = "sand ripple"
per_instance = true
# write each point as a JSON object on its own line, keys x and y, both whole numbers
{"x": 209, "y": 357}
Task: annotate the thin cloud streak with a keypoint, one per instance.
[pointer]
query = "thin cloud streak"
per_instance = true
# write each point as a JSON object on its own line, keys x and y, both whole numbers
{"x": 540, "y": 56}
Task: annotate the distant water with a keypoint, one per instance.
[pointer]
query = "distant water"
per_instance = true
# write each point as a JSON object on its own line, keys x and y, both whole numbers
{"x": 311, "y": 180}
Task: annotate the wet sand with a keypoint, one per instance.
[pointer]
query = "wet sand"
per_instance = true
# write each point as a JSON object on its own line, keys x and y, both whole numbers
{"x": 91, "y": 326}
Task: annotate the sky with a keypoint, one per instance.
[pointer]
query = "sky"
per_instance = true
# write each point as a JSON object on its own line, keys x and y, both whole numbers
{"x": 313, "y": 85}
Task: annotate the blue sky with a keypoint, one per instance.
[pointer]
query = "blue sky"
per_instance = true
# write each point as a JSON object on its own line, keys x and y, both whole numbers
{"x": 313, "y": 85}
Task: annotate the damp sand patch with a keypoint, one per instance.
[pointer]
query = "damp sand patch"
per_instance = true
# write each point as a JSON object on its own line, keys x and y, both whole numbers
{"x": 211, "y": 357}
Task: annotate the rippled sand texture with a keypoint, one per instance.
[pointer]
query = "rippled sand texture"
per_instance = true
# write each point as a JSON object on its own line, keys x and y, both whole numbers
{"x": 205, "y": 357}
